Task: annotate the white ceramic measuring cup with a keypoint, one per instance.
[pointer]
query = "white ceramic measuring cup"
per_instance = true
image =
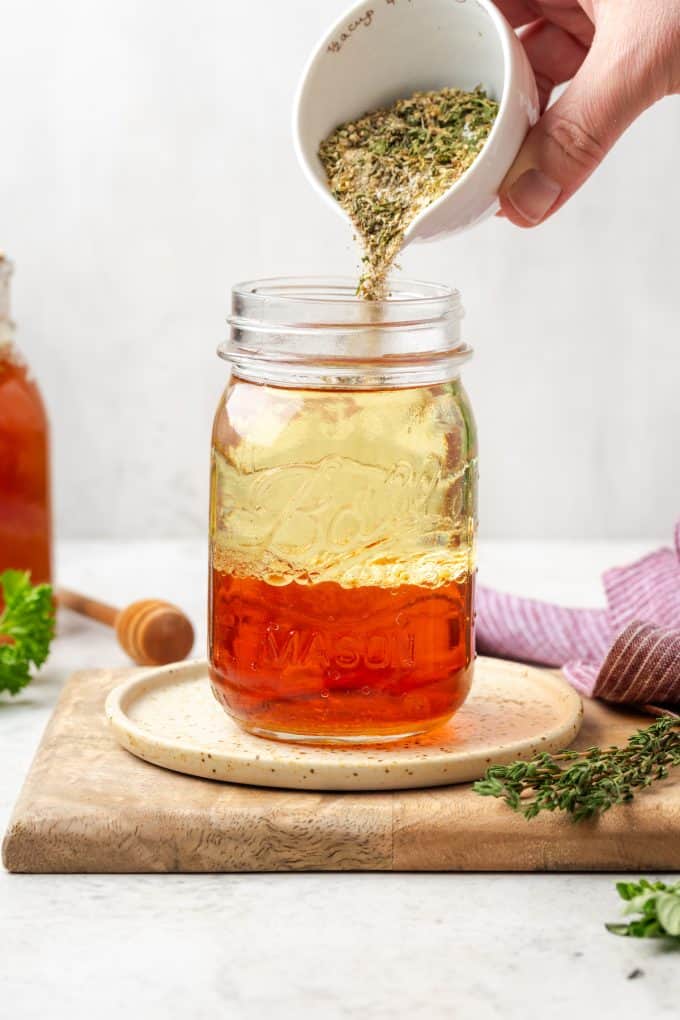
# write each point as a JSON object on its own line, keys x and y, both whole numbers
{"x": 383, "y": 50}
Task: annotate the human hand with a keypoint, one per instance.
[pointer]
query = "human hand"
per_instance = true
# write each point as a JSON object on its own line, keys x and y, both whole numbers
{"x": 623, "y": 55}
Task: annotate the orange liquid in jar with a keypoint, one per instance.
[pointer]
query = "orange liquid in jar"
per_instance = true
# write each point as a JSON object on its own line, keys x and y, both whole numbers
{"x": 317, "y": 659}
{"x": 342, "y": 557}
{"x": 24, "y": 486}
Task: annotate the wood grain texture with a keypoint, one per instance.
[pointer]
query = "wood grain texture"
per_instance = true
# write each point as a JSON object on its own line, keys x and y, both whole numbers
{"x": 89, "y": 806}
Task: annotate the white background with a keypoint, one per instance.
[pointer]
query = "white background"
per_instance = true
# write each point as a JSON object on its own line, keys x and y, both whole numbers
{"x": 146, "y": 165}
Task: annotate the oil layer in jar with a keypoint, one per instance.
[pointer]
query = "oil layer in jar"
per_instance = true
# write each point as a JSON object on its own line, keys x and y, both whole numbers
{"x": 342, "y": 559}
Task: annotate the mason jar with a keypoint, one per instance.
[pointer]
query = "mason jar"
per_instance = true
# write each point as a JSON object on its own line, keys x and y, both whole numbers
{"x": 25, "y": 519}
{"x": 343, "y": 513}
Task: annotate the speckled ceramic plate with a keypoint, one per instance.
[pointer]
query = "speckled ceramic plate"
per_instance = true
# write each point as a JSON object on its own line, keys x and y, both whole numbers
{"x": 169, "y": 717}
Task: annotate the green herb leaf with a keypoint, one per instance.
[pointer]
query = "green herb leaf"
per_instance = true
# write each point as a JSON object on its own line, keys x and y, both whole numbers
{"x": 657, "y": 904}
{"x": 642, "y": 904}
{"x": 26, "y": 628}
{"x": 585, "y": 784}
{"x": 668, "y": 912}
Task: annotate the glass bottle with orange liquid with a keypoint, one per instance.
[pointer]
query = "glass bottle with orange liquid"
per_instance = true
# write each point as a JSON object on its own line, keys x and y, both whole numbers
{"x": 343, "y": 514}
{"x": 24, "y": 460}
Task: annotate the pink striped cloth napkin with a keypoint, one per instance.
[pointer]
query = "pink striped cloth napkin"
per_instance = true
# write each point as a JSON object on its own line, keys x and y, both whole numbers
{"x": 628, "y": 652}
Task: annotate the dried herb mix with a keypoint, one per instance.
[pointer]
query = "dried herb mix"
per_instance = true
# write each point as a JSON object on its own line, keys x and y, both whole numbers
{"x": 389, "y": 165}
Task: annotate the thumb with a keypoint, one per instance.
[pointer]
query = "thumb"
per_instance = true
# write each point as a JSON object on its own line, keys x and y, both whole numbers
{"x": 573, "y": 136}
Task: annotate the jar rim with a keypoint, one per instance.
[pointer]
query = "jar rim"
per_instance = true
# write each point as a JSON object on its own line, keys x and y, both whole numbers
{"x": 329, "y": 302}
{"x": 316, "y": 328}
{"x": 338, "y": 289}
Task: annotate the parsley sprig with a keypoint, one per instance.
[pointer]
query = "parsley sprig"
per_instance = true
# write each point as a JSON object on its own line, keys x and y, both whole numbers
{"x": 657, "y": 906}
{"x": 26, "y": 628}
{"x": 585, "y": 784}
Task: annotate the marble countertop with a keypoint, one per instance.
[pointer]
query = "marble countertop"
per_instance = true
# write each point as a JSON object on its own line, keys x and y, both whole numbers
{"x": 308, "y": 945}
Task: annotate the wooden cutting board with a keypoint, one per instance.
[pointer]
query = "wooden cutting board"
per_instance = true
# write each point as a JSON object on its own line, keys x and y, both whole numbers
{"x": 89, "y": 806}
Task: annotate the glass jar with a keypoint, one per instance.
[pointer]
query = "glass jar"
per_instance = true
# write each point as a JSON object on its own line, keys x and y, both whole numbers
{"x": 343, "y": 513}
{"x": 24, "y": 463}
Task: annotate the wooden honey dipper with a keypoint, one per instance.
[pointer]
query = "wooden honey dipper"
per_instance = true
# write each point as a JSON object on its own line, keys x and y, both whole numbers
{"x": 151, "y": 632}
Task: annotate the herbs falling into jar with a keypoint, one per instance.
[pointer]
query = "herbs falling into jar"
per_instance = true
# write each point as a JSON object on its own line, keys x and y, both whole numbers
{"x": 389, "y": 165}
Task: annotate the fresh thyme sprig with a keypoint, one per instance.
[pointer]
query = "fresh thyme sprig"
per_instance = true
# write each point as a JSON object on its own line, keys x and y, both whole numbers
{"x": 658, "y": 907}
{"x": 26, "y": 628}
{"x": 585, "y": 784}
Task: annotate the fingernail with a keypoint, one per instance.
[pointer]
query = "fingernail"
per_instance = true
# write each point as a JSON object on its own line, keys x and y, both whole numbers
{"x": 533, "y": 195}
